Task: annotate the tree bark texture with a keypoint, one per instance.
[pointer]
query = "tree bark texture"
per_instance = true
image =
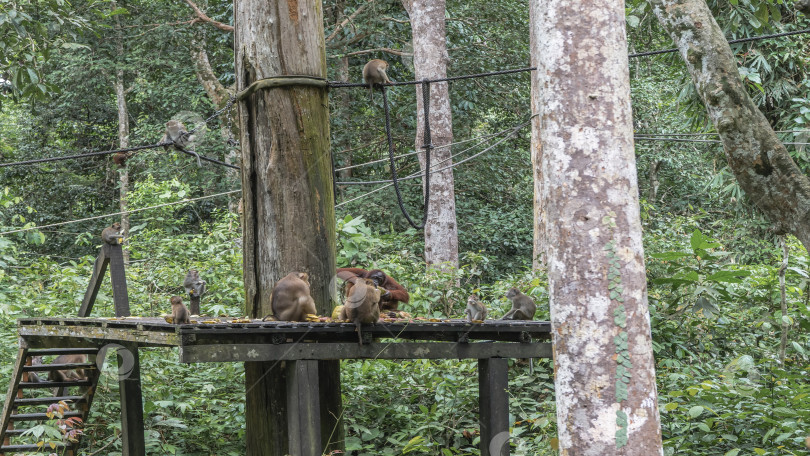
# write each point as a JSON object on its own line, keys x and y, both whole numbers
{"x": 123, "y": 138}
{"x": 539, "y": 238}
{"x": 758, "y": 159}
{"x": 430, "y": 62}
{"x": 605, "y": 373}
{"x": 289, "y": 219}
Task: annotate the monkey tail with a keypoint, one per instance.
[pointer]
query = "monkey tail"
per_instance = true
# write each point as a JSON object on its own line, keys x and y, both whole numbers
{"x": 371, "y": 92}
{"x": 359, "y": 331}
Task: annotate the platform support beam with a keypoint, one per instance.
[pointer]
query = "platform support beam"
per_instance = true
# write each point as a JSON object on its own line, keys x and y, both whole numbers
{"x": 129, "y": 383}
{"x": 303, "y": 408}
{"x": 493, "y": 405}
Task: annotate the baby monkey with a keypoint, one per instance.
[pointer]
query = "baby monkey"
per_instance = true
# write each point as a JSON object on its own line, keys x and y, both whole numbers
{"x": 290, "y": 300}
{"x": 476, "y": 310}
{"x": 362, "y": 304}
{"x": 375, "y": 73}
{"x": 523, "y": 308}
{"x": 112, "y": 234}
{"x": 179, "y": 311}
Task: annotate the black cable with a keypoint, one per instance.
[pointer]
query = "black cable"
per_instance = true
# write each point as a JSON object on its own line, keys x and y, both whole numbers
{"x": 89, "y": 154}
{"x": 431, "y": 81}
{"x": 203, "y": 157}
{"x": 426, "y": 107}
{"x": 741, "y": 40}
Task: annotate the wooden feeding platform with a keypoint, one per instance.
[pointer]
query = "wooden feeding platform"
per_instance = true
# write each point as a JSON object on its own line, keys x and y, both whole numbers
{"x": 304, "y": 347}
{"x": 223, "y": 340}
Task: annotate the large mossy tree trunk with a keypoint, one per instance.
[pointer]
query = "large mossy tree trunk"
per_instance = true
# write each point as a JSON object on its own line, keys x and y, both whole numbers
{"x": 758, "y": 159}
{"x": 604, "y": 368}
{"x": 289, "y": 220}
{"x": 430, "y": 62}
{"x": 539, "y": 232}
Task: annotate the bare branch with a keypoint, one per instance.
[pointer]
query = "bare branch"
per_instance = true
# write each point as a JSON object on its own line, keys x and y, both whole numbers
{"x": 387, "y": 50}
{"x": 204, "y": 18}
{"x": 340, "y": 26}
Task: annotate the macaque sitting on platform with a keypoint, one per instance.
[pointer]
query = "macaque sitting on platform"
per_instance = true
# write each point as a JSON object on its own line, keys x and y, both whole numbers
{"x": 180, "y": 312}
{"x": 112, "y": 234}
{"x": 392, "y": 293}
{"x": 476, "y": 310}
{"x": 523, "y": 308}
{"x": 290, "y": 300}
{"x": 362, "y": 304}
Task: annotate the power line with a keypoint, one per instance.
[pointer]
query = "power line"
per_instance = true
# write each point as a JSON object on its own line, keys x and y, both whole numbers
{"x": 89, "y": 154}
{"x": 183, "y": 201}
{"x": 741, "y": 40}
{"x": 419, "y": 173}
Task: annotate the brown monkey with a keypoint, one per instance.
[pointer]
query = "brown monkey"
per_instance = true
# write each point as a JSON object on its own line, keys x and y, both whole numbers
{"x": 362, "y": 304}
{"x": 523, "y": 308}
{"x": 290, "y": 299}
{"x": 374, "y": 73}
{"x": 476, "y": 310}
{"x": 804, "y": 7}
{"x": 392, "y": 292}
{"x": 67, "y": 375}
{"x": 179, "y": 311}
{"x": 32, "y": 376}
{"x": 112, "y": 234}
{"x": 121, "y": 158}
{"x": 175, "y": 133}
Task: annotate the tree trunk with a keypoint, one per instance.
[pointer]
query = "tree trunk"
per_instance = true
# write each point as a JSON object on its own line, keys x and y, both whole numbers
{"x": 430, "y": 62}
{"x": 539, "y": 238}
{"x": 760, "y": 162}
{"x": 605, "y": 373}
{"x": 219, "y": 95}
{"x": 652, "y": 193}
{"x": 123, "y": 138}
{"x": 289, "y": 219}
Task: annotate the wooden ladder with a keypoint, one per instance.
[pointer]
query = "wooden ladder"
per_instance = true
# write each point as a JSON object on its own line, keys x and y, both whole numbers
{"x": 77, "y": 393}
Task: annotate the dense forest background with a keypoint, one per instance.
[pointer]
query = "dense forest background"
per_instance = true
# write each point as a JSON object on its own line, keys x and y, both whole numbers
{"x": 713, "y": 261}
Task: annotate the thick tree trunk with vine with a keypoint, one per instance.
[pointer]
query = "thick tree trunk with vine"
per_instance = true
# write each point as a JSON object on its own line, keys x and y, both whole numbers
{"x": 605, "y": 372}
{"x": 289, "y": 219}
{"x": 430, "y": 62}
{"x": 539, "y": 238}
{"x": 758, "y": 159}
{"x": 123, "y": 139}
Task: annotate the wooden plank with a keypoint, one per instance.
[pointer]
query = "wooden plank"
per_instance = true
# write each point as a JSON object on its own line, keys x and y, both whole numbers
{"x": 349, "y": 350}
{"x": 303, "y": 408}
{"x": 47, "y": 336}
{"x": 119, "y": 280}
{"x": 99, "y": 268}
{"x": 132, "y": 431}
{"x": 493, "y": 405}
{"x": 8, "y": 406}
{"x": 266, "y": 425}
{"x": 62, "y": 351}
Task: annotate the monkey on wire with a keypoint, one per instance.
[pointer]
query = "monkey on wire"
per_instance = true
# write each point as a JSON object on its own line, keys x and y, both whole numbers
{"x": 374, "y": 72}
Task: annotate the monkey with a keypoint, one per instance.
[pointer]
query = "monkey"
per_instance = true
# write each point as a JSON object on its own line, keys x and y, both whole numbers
{"x": 523, "y": 308}
{"x": 374, "y": 73}
{"x": 32, "y": 376}
{"x": 290, "y": 299}
{"x": 362, "y": 304}
{"x": 67, "y": 375}
{"x": 392, "y": 292}
{"x": 804, "y": 7}
{"x": 112, "y": 234}
{"x": 179, "y": 311}
{"x": 194, "y": 285}
{"x": 175, "y": 133}
{"x": 476, "y": 310}
{"x": 121, "y": 158}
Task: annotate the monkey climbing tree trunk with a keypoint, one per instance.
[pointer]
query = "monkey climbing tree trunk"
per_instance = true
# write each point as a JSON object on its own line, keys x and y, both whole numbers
{"x": 430, "y": 62}
{"x": 123, "y": 138}
{"x": 605, "y": 373}
{"x": 539, "y": 237}
{"x": 289, "y": 219}
{"x": 758, "y": 159}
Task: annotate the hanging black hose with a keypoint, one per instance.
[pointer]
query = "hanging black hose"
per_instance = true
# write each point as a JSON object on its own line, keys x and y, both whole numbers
{"x": 427, "y": 146}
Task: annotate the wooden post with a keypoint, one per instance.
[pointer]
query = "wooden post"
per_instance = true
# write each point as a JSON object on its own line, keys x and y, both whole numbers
{"x": 289, "y": 214}
{"x": 131, "y": 401}
{"x": 194, "y": 305}
{"x": 304, "y": 408}
{"x": 112, "y": 255}
{"x": 493, "y": 405}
